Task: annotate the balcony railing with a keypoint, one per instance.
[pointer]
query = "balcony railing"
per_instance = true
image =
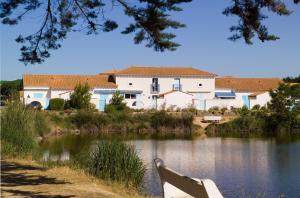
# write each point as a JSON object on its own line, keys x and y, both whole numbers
{"x": 177, "y": 87}
{"x": 154, "y": 88}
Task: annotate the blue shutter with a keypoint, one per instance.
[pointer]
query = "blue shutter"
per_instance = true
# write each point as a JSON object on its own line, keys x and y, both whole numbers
{"x": 201, "y": 102}
{"x": 246, "y": 101}
{"x": 102, "y": 101}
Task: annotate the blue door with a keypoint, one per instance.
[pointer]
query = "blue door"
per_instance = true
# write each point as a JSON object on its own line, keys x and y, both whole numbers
{"x": 139, "y": 101}
{"x": 102, "y": 101}
{"x": 246, "y": 101}
{"x": 201, "y": 102}
{"x": 46, "y": 103}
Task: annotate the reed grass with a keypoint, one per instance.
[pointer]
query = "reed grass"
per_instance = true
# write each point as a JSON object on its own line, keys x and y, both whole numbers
{"x": 19, "y": 128}
{"x": 115, "y": 161}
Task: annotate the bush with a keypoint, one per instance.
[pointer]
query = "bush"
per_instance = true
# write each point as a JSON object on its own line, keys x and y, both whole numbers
{"x": 18, "y": 128}
{"x": 41, "y": 124}
{"x": 161, "y": 119}
{"x": 116, "y": 161}
{"x": 56, "y": 104}
{"x": 80, "y": 98}
{"x": 214, "y": 110}
{"x": 116, "y": 104}
{"x": 90, "y": 121}
{"x": 110, "y": 108}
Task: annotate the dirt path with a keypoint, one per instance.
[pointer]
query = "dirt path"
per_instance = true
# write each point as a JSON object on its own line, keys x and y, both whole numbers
{"x": 21, "y": 178}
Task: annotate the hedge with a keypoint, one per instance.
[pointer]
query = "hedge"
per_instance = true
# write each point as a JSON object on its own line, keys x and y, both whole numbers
{"x": 56, "y": 104}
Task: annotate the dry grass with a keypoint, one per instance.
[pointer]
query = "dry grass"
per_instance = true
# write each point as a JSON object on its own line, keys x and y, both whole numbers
{"x": 25, "y": 178}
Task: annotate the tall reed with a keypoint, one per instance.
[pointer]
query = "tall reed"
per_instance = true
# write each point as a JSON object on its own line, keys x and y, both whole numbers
{"x": 19, "y": 128}
{"x": 116, "y": 161}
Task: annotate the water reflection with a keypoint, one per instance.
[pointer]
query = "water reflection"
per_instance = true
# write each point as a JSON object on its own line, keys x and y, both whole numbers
{"x": 238, "y": 166}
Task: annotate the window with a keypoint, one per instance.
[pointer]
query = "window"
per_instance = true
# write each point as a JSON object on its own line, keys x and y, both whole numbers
{"x": 130, "y": 96}
{"x": 200, "y": 84}
{"x": 38, "y": 95}
{"x": 133, "y": 96}
{"x": 130, "y": 83}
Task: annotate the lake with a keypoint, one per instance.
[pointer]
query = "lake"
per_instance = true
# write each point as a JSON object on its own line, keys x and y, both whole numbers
{"x": 239, "y": 167}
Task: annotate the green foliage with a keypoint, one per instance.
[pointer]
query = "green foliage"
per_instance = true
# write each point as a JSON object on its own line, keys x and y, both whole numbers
{"x": 10, "y": 88}
{"x": 92, "y": 122}
{"x": 292, "y": 80}
{"x": 214, "y": 110}
{"x": 281, "y": 118}
{"x": 115, "y": 161}
{"x": 122, "y": 121}
{"x": 161, "y": 119}
{"x": 41, "y": 124}
{"x": 281, "y": 101}
{"x": 243, "y": 111}
{"x": 56, "y": 104}
{"x": 19, "y": 127}
{"x": 117, "y": 103}
{"x": 80, "y": 98}
{"x": 151, "y": 21}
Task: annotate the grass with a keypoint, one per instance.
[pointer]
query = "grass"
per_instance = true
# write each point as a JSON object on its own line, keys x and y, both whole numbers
{"x": 140, "y": 123}
{"x": 257, "y": 124}
{"x": 114, "y": 161}
{"x": 17, "y": 130}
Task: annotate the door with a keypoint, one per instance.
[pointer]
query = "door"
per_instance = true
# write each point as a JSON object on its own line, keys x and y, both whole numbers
{"x": 102, "y": 101}
{"x": 201, "y": 102}
{"x": 139, "y": 101}
{"x": 246, "y": 101}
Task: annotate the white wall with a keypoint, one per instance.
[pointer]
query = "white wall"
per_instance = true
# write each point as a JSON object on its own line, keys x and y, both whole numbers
{"x": 190, "y": 84}
{"x": 222, "y": 103}
{"x": 175, "y": 99}
{"x": 29, "y": 96}
{"x": 261, "y": 99}
{"x": 64, "y": 94}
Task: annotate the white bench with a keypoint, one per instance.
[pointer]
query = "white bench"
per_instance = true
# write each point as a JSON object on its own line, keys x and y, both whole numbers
{"x": 212, "y": 119}
{"x": 176, "y": 185}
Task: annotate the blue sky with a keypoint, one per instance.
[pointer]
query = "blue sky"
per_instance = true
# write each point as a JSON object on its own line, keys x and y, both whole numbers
{"x": 204, "y": 46}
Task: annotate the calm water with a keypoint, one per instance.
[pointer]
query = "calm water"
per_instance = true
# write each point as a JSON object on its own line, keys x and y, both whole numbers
{"x": 250, "y": 167}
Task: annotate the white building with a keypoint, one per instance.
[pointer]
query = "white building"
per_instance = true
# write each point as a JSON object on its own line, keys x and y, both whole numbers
{"x": 154, "y": 87}
{"x": 41, "y": 88}
{"x": 238, "y": 92}
{"x": 152, "y": 83}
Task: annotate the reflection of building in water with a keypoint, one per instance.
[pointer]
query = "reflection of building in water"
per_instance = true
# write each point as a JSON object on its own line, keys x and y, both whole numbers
{"x": 64, "y": 156}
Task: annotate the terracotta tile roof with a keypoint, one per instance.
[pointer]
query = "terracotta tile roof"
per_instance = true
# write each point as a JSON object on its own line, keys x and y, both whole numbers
{"x": 164, "y": 71}
{"x": 66, "y": 81}
{"x": 248, "y": 84}
{"x": 256, "y": 94}
{"x": 111, "y": 71}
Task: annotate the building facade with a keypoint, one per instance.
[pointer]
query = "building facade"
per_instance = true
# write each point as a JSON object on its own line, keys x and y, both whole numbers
{"x": 154, "y": 87}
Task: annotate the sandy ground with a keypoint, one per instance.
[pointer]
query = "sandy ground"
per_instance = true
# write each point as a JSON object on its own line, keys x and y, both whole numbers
{"x": 198, "y": 120}
{"x": 24, "y": 178}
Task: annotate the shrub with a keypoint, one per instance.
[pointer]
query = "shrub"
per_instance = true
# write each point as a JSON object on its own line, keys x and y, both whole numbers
{"x": 110, "y": 108}
{"x": 18, "y": 128}
{"x": 56, "y": 104}
{"x": 214, "y": 110}
{"x": 67, "y": 104}
{"x": 80, "y": 98}
{"x": 116, "y": 161}
{"x": 41, "y": 124}
{"x": 161, "y": 119}
{"x": 116, "y": 104}
{"x": 90, "y": 121}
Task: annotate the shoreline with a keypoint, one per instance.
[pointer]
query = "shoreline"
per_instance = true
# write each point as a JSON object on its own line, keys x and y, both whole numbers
{"x": 24, "y": 177}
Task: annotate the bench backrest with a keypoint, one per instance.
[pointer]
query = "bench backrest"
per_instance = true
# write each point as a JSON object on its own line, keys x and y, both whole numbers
{"x": 184, "y": 183}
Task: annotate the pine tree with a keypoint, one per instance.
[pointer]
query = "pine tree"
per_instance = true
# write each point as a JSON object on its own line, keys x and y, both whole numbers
{"x": 151, "y": 21}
